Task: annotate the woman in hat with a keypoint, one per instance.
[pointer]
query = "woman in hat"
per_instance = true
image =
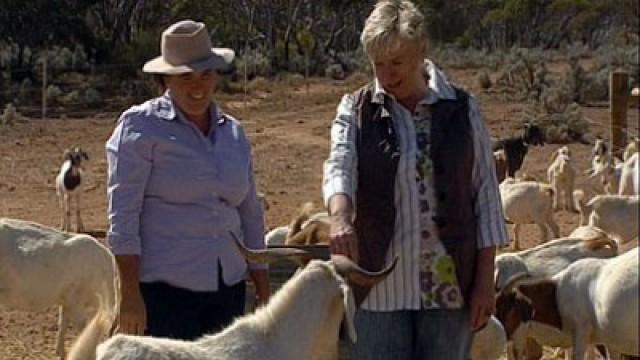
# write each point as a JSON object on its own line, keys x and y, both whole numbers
{"x": 180, "y": 182}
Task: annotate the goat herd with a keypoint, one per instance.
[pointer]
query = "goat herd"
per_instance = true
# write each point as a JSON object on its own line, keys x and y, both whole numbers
{"x": 578, "y": 293}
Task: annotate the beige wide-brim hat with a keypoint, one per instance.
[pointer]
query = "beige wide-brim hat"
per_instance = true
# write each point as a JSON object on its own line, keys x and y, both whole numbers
{"x": 186, "y": 47}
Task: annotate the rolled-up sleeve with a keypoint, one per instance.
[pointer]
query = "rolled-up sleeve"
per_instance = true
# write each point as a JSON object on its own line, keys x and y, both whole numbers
{"x": 492, "y": 230}
{"x": 252, "y": 220}
{"x": 340, "y": 168}
{"x": 129, "y": 159}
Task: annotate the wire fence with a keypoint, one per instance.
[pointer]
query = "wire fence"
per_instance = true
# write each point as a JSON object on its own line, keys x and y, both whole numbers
{"x": 76, "y": 91}
{"x": 54, "y": 91}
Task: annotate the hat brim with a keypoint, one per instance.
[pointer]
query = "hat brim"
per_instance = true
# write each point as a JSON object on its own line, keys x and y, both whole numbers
{"x": 220, "y": 60}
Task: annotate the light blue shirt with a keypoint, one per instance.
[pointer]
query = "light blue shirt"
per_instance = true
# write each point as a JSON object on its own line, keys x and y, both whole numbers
{"x": 175, "y": 195}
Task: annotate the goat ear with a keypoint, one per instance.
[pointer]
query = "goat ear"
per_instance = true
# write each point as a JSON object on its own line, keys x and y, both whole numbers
{"x": 349, "y": 311}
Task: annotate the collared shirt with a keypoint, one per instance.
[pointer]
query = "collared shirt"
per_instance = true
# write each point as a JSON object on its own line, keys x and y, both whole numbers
{"x": 175, "y": 195}
{"x": 401, "y": 289}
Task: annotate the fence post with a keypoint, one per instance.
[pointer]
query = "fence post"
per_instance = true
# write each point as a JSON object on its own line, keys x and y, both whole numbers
{"x": 618, "y": 97}
{"x": 44, "y": 86}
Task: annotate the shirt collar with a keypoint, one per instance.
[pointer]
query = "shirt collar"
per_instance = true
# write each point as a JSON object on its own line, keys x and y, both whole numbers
{"x": 165, "y": 109}
{"x": 439, "y": 86}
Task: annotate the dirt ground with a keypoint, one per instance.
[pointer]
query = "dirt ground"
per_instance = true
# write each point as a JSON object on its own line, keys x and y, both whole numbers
{"x": 289, "y": 130}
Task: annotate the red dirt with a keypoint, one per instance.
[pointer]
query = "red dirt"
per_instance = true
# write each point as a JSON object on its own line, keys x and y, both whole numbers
{"x": 289, "y": 129}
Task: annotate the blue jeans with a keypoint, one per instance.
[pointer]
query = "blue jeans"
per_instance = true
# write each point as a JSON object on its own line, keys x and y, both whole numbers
{"x": 412, "y": 335}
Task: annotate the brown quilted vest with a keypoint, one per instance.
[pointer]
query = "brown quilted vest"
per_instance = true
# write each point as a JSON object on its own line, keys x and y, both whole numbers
{"x": 452, "y": 155}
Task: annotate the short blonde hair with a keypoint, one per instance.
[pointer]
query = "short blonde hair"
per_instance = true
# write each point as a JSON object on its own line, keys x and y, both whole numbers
{"x": 390, "y": 21}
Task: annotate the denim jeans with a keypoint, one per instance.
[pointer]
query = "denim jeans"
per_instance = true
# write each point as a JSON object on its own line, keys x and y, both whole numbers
{"x": 412, "y": 335}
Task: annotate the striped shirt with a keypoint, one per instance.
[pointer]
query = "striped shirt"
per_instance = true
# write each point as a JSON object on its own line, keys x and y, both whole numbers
{"x": 401, "y": 289}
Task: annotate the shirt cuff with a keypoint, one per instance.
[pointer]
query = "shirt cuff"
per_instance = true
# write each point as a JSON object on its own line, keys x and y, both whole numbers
{"x": 336, "y": 186}
{"x": 257, "y": 266}
{"x": 124, "y": 245}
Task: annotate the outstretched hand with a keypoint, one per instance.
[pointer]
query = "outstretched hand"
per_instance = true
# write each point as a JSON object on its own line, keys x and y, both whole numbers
{"x": 342, "y": 237}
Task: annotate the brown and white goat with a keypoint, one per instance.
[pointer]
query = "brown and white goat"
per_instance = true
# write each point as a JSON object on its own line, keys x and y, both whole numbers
{"x": 593, "y": 301}
{"x": 69, "y": 186}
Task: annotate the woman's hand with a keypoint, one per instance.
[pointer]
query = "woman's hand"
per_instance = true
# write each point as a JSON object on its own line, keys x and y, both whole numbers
{"x": 133, "y": 314}
{"x": 260, "y": 279}
{"x": 482, "y": 304}
{"x": 342, "y": 236}
{"x": 483, "y": 294}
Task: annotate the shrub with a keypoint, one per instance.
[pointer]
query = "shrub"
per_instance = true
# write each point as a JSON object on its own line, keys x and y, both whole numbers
{"x": 92, "y": 97}
{"x": 335, "y": 72}
{"x": 255, "y": 63}
{"x": 53, "y": 93}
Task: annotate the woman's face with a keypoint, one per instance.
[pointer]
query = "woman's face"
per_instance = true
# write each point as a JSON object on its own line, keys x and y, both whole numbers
{"x": 192, "y": 92}
{"x": 399, "y": 69}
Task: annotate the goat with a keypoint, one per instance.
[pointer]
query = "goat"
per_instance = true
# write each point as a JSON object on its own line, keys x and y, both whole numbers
{"x": 631, "y": 148}
{"x": 600, "y": 147}
{"x": 561, "y": 175}
{"x": 489, "y": 342}
{"x": 609, "y": 168}
{"x": 516, "y": 147}
{"x": 546, "y": 260}
{"x": 500, "y": 158}
{"x": 629, "y": 176}
{"x": 41, "y": 267}
{"x": 9, "y": 115}
{"x": 593, "y": 301}
{"x": 306, "y": 228}
{"x": 528, "y": 202}
{"x": 616, "y": 215}
{"x": 276, "y": 236}
{"x": 301, "y": 321}
{"x": 69, "y": 185}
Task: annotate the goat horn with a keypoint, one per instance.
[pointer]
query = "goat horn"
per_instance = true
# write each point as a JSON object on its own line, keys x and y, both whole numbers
{"x": 512, "y": 281}
{"x": 270, "y": 255}
{"x": 355, "y": 274}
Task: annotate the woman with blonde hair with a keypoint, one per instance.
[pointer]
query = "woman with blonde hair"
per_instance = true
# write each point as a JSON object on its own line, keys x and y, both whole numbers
{"x": 411, "y": 174}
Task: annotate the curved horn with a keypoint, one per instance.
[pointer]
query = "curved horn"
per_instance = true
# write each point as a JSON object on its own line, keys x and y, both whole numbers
{"x": 357, "y": 275}
{"x": 512, "y": 281}
{"x": 270, "y": 255}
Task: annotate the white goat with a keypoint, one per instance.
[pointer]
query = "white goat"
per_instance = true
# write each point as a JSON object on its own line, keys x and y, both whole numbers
{"x": 301, "y": 321}
{"x": 9, "y": 115}
{"x": 593, "y": 301}
{"x": 489, "y": 342}
{"x": 561, "y": 175}
{"x": 528, "y": 202}
{"x": 631, "y": 148}
{"x": 616, "y": 215}
{"x": 276, "y": 236}
{"x": 502, "y": 164}
{"x": 550, "y": 258}
{"x": 41, "y": 267}
{"x": 609, "y": 168}
{"x": 69, "y": 185}
{"x": 629, "y": 176}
